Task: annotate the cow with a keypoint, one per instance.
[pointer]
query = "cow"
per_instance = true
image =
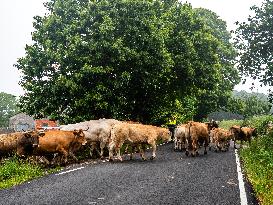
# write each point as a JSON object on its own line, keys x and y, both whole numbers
{"x": 20, "y": 143}
{"x": 60, "y": 142}
{"x": 212, "y": 124}
{"x": 136, "y": 134}
{"x": 97, "y": 134}
{"x": 180, "y": 137}
{"x": 242, "y": 134}
{"x": 197, "y": 134}
{"x": 220, "y": 139}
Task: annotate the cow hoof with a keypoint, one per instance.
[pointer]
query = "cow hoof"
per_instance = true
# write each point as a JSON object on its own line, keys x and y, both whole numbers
{"x": 197, "y": 153}
{"x": 152, "y": 158}
{"x": 205, "y": 152}
{"x": 110, "y": 160}
{"x": 193, "y": 155}
{"x": 209, "y": 148}
{"x": 187, "y": 153}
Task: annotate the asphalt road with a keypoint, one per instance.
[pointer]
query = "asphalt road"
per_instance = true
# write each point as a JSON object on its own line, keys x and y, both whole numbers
{"x": 172, "y": 178}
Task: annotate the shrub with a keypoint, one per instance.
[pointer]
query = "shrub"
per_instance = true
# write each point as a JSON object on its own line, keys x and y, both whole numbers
{"x": 258, "y": 162}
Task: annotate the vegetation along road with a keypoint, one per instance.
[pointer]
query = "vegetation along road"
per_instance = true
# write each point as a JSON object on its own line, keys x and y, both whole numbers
{"x": 172, "y": 178}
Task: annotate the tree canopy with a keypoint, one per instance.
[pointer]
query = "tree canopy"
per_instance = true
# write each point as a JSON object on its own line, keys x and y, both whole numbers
{"x": 126, "y": 59}
{"x": 254, "y": 42}
{"x": 8, "y": 108}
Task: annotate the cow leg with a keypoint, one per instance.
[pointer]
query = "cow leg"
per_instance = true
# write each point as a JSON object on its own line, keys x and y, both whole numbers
{"x": 206, "y": 145}
{"x": 133, "y": 148}
{"x": 111, "y": 150}
{"x": 65, "y": 154}
{"x": 142, "y": 151}
{"x": 118, "y": 154}
{"x": 187, "y": 145}
{"x": 194, "y": 148}
{"x": 154, "y": 150}
{"x": 175, "y": 144}
{"x": 73, "y": 156}
{"x": 102, "y": 146}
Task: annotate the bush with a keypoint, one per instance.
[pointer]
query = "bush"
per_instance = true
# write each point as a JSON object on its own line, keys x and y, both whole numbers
{"x": 258, "y": 162}
{"x": 259, "y": 122}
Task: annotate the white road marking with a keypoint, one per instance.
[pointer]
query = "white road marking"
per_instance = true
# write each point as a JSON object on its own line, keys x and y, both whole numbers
{"x": 241, "y": 181}
{"x": 71, "y": 170}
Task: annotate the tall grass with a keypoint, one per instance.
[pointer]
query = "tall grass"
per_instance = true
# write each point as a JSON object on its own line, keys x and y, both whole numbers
{"x": 258, "y": 157}
{"x": 14, "y": 171}
{"x": 258, "y": 163}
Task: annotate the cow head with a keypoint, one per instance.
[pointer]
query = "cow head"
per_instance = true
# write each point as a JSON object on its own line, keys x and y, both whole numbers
{"x": 80, "y": 136}
{"x": 165, "y": 134}
{"x": 27, "y": 142}
{"x": 34, "y": 136}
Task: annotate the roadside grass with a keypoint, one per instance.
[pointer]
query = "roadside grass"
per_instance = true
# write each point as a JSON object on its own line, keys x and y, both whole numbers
{"x": 226, "y": 124}
{"x": 14, "y": 171}
{"x": 258, "y": 164}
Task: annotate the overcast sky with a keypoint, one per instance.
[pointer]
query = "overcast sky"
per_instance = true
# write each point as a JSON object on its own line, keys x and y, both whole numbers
{"x": 16, "y": 17}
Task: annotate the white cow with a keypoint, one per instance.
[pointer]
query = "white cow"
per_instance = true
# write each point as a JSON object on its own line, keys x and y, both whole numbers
{"x": 180, "y": 137}
{"x": 96, "y": 132}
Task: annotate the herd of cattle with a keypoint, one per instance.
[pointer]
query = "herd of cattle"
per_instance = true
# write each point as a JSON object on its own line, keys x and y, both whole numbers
{"x": 111, "y": 134}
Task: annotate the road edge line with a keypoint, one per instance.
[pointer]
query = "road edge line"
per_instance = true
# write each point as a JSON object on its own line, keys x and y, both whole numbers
{"x": 71, "y": 170}
{"x": 241, "y": 181}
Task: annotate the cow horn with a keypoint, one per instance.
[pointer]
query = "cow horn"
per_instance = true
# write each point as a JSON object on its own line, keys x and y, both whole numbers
{"x": 86, "y": 129}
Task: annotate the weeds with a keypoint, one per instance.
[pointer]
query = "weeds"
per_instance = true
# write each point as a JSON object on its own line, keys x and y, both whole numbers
{"x": 258, "y": 164}
{"x": 14, "y": 171}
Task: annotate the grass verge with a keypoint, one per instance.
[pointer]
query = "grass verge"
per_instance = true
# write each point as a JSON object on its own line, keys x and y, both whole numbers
{"x": 14, "y": 171}
{"x": 258, "y": 165}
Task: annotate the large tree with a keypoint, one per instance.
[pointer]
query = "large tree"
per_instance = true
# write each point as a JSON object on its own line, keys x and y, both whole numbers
{"x": 219, "y": 91}
{"x": 254, "y": 42}
{"x": 8, "y": 108}
{"x": 127, "y": 59}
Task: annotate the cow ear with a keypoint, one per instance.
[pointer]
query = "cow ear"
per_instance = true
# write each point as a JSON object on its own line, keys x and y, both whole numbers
{"x": 75, "y": 132}
{"x": 27, "y": 134}
{"x": 41, "y": 134}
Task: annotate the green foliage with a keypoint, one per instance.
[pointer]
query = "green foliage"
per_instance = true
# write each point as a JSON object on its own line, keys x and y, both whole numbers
{"x": 8, "y": 108}
{"x": 129, "y": 59}
{"x": 258, "y": 162}
{"x": 249, "y": 104}
{"x": 258, "y": 157}
{"x": 226, "y": 124}
{"x": 259, "y": 122}
{"x": 254, "y": 42}
{"x": 14, "y": 171}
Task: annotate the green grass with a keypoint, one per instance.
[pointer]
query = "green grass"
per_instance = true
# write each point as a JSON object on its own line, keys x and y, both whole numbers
{"x": 258, "y": 165}
{"x": 14, "y": 171}
{"x": 258, "y": 157}
{"x": 229, "y": 123}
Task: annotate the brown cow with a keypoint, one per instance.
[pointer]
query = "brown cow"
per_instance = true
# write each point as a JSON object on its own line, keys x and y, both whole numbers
{"x": 136, "y": 134}
{"x": 197, "y": 134}
{"x": 242, "y": 134}
{"x": 21, "y": 143}
{"x": 220, "y": 139}
{"x": 61, "y": 142}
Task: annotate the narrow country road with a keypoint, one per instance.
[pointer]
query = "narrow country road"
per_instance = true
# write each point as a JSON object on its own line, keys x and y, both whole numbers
{"x": 172, "y": 178}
